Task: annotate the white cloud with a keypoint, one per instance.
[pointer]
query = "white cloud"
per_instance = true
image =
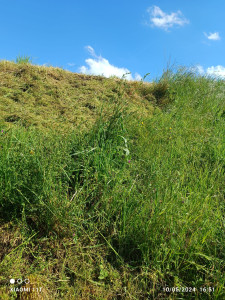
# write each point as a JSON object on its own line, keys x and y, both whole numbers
{"x": 137, "y": 77}
{"x": 100, "y": 66}
{"x": 217, "y": 72}
{"x": 199, "y": 69}
{"x": 160, "y": 19}
{"x": 213, "y": 36}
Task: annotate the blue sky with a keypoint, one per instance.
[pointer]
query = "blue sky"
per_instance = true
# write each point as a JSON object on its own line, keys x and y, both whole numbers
{"x": 115, "y": 37}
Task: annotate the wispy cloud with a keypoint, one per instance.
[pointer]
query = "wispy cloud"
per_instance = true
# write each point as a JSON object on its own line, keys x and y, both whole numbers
{"x": 100, "y": 66}
{"x": 71, "y": 64}
{"x": 213, "y": 36}
{"x": 159, "y": 18}
{"x": 91, "y": 51}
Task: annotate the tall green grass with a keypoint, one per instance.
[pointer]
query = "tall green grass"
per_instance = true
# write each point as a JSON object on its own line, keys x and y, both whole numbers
{"x": 150, "y": 192}
{"x": 23, "y": 59}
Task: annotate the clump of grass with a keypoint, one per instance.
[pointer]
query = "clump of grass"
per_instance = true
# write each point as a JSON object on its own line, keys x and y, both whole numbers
{"x": 23, "y": 59}
{"x": 30, "y": 176}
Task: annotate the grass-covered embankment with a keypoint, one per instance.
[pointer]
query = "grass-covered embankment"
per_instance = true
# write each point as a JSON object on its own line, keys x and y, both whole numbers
{"x": 122, "y": 205}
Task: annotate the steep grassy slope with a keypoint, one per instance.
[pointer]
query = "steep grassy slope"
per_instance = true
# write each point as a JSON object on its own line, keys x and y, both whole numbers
{"x": 53, "y": 98}
{"x": 111, "y": 189}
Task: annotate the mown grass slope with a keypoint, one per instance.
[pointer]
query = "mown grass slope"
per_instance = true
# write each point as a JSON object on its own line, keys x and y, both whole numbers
{"x": 50, "y": 97}
{"x": 111, "y": 189}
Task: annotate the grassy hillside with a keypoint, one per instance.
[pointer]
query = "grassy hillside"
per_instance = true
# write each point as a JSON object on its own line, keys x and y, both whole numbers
{"x": 53, "y": 98}
{"x": 111, "y": 189}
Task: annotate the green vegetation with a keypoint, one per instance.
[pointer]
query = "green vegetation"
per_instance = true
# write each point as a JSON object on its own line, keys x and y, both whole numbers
{"x": 23, "y": 60}
{"x": 111, "y": 189}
